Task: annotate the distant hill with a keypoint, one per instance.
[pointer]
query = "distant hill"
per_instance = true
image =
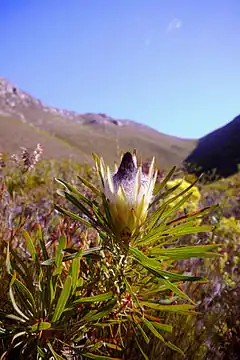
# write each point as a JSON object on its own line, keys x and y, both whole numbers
{"x": 25, "y": 121}
{"x": 218, "y": 150}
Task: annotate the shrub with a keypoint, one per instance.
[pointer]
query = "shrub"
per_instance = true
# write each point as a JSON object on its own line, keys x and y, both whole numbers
{"x": 193, "y": 202}
{"x": 92, "y": 298}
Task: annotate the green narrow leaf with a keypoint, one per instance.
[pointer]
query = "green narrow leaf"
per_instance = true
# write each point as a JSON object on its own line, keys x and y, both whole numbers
{"x": 99, "y": 357}
{"x": 18, "y": 310}
{"x": 41, "y": 352}
{"x": 75, "y": 254}
{"x": 15, "y": 317}
{"x": 163, "y": 327}
{"x": 98, "y": 166}
{"x": 107, "y": 211}
{"x": 178, "y": 195}
{"x": 144, "y": 335}
{"x": 94, "y": 316}
{"x": 153, "y": 220}
{"x": 135, "y": 299}
{"x": 44, "y": 283}
{"x": 155, "y": 234}
{"x": 18, "y": 335}
{"x": 52, "y": 289}
{"x": 177, "y": 291}
{"x": 164, "y": 232}
{"x": 63, "y": 298}
{"x": 153, "y": 266}
{"x": 30, "y": 244}
{"x": 193, "y": 216}
{"x": 163, "y": 183}
{"x": 73, "y": 190}
{"x": 77, "y": 195}
{"x": 75, "y": 273}
{"x": 165, "y": 228}
{"x": 195, "y": 230}
{"x": 143, "y": 259}
{"x": 26, "y": 293}
{"x": 81, "y": 207}
{"x": 39, "y": 230}
{"x": 59, "y": 255}
{"x": 174, "y": 208}
{"x": 22, "y": 302}
{"x": 56, "y": 356}
{"x": 175, "y": 348}
{"x": 184, "y": 309}
{"x": 72, "y": 215}
{"x": 40, "y": 326}
{"x": 89, "y": 185}
{"x": 110, "y": 323}
{"x": 8, "y": 261}
{"x": 141, "y": 350}
{"x": 96, "y": 298}
{"x": 151, "y": 327}
{"x": 78, "y": 254}
{"x": 22, "y": 269}
{"x": 170, "y": 275}
{"x": 100, "y": 219}
{"x": 169, "y": 301}
{"x": 165, "y": 194}
{"x": 186, "y": 252}
{"x": 42, "y": 243}
{"x": 113, "y": 346}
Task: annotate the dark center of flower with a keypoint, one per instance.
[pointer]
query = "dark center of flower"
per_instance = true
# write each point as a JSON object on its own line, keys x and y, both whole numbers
{"x": 126, "y": 174}
{"x": 127, "y": 169}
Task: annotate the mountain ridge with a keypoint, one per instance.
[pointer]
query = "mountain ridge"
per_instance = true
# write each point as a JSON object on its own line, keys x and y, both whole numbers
{"x": 23, "y": 118}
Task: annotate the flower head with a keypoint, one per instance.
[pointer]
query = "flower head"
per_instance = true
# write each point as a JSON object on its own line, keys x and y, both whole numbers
{"x": 129, "y": 192}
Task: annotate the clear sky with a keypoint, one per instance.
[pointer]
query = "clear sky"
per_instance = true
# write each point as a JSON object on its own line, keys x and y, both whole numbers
{"x": 171, "y": 64}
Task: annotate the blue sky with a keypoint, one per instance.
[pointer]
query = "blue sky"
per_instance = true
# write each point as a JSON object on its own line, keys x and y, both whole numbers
{"x": 171, "y": 64}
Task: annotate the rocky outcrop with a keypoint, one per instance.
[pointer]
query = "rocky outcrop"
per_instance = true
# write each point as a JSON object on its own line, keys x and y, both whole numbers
{"x": 17, "y": 103}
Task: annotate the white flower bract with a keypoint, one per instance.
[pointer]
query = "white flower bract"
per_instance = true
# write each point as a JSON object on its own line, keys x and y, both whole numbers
{"x": 129, "y": 191}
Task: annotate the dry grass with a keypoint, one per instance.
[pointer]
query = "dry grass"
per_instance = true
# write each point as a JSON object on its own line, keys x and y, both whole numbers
{"x": 64, "y": 138}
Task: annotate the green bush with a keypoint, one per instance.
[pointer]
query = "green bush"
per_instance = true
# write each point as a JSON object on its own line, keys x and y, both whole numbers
{"x": 91, "y": 302}
{"x": 210, "y": 334}
{"x": 193, "y": 202}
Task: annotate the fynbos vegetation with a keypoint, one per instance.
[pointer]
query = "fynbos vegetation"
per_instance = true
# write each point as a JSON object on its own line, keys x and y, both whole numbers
{"x": 113, "y": 263}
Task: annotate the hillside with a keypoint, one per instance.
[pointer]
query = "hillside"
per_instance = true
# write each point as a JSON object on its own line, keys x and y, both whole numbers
{"x": 25, "y": 121}
{"x": 218, "y": 150}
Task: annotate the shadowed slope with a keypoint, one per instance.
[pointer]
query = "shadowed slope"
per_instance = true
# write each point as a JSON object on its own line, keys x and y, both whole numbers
{"x": 218, "y": 150}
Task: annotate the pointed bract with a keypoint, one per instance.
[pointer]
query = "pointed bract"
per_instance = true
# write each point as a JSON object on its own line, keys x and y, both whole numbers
{"x": 128, "y": 191}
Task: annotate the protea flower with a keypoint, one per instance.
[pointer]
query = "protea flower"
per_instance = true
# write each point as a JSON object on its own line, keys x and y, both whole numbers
{"x": 129, "y": 193}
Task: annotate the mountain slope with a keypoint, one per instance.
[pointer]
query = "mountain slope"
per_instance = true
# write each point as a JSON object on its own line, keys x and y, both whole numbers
{"x": 218, "y": 150}
{"x": 24, "y": 121}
